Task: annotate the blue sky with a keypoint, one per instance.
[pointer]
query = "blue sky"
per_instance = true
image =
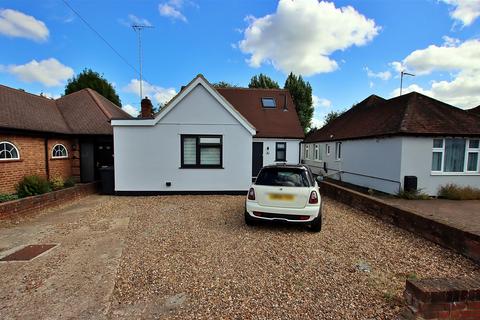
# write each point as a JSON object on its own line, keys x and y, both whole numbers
{"x": 347, "y": 50}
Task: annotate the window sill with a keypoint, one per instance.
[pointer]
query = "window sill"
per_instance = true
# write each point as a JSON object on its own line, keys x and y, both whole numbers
{"x": 201, "y": 167}
{"x": 63, "y": 158}
{"x": 12, "y": 160}
{"x": 455, "y": 173}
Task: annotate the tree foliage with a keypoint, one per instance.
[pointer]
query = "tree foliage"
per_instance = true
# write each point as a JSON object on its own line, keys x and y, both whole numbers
{"x": 93, "y": 80}
{"x": 301, "y": 92}
{"x": 223, "y": 84}
{"x": 263, "y": 81}
{"x": 332, "y": 115}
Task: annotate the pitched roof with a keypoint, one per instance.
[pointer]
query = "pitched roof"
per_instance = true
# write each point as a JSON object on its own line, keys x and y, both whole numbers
{"x": 279, "y": 122}
{"x": 409, "y": 114}
{"x": 475, "y": 110}
{"x": 82, "y": 112}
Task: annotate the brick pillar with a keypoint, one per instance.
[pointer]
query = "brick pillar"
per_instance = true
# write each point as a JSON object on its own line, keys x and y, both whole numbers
{"x": 76, "y": 159}
{"x": 443, "y": 299}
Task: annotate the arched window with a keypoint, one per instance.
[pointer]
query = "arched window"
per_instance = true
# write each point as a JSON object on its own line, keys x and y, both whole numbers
{"x": 59, "y": 151}
{"x": 8, "y": 151}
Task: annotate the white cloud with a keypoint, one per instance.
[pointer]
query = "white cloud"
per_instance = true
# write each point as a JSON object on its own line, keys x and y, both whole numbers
{"x": 133, "y": 19}
{"x": 460, "y": 59}
{"x": 49, "y": 95}
{"x": 385, "y": 75}
{"x": 17, "y": 24}
{"x": 131, "y": 110}
{"x": 49, "y": 72}
{"x": 322, "y": 107}
{"x": 301, "y": 35}
{"x": 448, "y": 57}
{"x": 172, "y": 9}
{"x": 465, "y": 11}
{"x": 160, "y": 94}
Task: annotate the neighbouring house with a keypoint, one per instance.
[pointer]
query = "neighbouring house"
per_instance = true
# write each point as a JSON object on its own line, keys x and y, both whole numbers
{"x": 69, "y": 136}
{"x": 384, "y": 144}
{"x": 206, "y": 140}
{"x": 475, "y": 110}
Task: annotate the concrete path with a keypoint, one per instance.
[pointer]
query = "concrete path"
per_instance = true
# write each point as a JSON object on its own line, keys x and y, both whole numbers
{"x": 464, "y": 215}
{"x": 73, "y": 280}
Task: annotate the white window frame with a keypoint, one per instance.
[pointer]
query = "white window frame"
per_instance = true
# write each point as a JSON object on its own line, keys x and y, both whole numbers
{"x": 307, "y": 151}
{"x": 338, "y": 151}
{"x": 472, "y": 150}
{"x": 316, "y": 153}
{"x": 16, "y": 149}
{"x": 327, "y": 149}
{"x": 59, "y": 157}
{"x": 465, "y": 165}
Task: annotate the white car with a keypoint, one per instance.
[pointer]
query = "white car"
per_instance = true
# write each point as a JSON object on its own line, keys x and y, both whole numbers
{"x": 285, "y": 192}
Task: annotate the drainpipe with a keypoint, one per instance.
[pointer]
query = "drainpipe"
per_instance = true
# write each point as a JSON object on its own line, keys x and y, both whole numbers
{"x": 47, "y": 168}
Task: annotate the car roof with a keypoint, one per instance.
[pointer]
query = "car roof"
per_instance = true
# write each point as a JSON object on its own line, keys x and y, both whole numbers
{"x": 286, "y": 165}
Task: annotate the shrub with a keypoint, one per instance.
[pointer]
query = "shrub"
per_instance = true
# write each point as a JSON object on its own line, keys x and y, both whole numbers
{"x": 32, "y": 185}
{"x": 70, "y": 182}
{"x": 455, "y": 192}
{"x": 56, "y": 183}
{"x": 7, "y": 197}
{"x": 413, "y": 195}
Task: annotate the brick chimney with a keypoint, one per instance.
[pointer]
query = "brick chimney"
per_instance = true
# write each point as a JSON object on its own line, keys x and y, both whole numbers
{"x": 147, "y": 108}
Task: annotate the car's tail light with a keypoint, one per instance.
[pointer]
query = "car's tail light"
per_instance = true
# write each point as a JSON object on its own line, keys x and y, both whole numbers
{"x": 313, "y": 198}
{"x": 251, "y": 194}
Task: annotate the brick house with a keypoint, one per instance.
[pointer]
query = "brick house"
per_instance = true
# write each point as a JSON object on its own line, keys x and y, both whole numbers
{"x": 69, "y": 136}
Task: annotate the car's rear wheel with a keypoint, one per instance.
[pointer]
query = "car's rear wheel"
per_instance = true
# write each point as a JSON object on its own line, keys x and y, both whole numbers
{"x": 249, "y": 221}
{"x": 316, "y": 225}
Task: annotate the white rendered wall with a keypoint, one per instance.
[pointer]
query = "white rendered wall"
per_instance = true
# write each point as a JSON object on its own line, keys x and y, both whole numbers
{"x": 417, "y": 161}
{"x": 146, "y": 157}
{"x": 293, "y": 147}
{"x": 377, "y": 158}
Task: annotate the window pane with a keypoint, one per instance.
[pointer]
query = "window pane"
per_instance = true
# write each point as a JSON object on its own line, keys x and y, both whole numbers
{"x": 281, "y": 155}
{"x": 210, "y": 140}
{"x": 282, "y": 177}
{"x": 438, "y": 143}
{"x": 474, "y": 144}
{"x": 210, "y": 156}
{"x": 472, "y": 164}
{"x": 281, "y": 146}
{"x": 189, "y": 151}
{"x": 268, "y": 102}
{"x": 454, "y": 155}
{"x": 437, "y": 161}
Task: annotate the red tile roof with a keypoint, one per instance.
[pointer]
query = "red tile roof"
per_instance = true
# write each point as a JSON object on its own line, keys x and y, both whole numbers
{"x": 409, "y": 114}
{"x": 82, "y": 112}
{"x": 475, "y": 110}
{"x": 279, "y": 122}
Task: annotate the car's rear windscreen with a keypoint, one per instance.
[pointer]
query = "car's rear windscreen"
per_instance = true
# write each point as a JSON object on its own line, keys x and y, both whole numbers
{"x": 282, "y": 177}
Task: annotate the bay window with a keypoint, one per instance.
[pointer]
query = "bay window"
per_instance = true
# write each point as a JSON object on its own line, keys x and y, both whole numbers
{"x": 201, "y": 151}
{"x": 455, "y": 155}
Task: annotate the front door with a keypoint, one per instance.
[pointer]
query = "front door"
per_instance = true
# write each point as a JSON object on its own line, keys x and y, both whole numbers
{"x": 87, "y": 162}
{"x": 257, "y": 158}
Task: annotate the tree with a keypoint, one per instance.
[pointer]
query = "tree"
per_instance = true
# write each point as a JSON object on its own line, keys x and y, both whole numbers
{"x": 223, "y": 84}
{"x": 93, "y": 80}
{"x": 263, "y": 81}
{"x": 301, "y": 92}
{"x": 332, "y": 115}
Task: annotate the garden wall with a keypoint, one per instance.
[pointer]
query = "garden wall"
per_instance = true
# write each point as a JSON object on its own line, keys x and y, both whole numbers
{"x": 47, "y": 200}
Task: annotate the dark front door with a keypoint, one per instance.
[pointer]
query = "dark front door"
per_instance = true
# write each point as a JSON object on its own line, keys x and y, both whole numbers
{"x": 257, "y": 158}
{"x": 87, "y": 162}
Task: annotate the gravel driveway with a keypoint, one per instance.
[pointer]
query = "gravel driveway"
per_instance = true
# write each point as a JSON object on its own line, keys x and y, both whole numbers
{"x": 192, "y": 257}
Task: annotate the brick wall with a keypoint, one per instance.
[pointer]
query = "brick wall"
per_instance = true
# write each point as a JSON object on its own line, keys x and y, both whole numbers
{"x": 443, "y": 299}
{"x": 32, "y": 160}
{"x": 47, "y": 200}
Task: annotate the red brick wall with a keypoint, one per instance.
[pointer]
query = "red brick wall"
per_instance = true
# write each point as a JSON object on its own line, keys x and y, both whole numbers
{"x": 442, "y": 299}
{"x": 32, "y": 160}
{"x": 60, "y": 167}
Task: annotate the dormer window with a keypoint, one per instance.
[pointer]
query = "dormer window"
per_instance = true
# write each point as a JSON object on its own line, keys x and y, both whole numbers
{"x": 268, "y": 103}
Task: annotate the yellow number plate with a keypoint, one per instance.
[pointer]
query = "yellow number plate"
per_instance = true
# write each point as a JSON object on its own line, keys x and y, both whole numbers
{"x": 285, "y": 197}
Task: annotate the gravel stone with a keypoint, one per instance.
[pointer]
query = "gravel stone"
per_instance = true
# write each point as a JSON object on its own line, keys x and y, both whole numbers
{"x": 201, "y": 247}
